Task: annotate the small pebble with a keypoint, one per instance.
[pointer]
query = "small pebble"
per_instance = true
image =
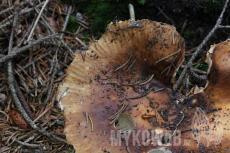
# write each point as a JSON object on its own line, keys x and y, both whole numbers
{"x": 79, "y": 16}
{"x": 60, "y": 73}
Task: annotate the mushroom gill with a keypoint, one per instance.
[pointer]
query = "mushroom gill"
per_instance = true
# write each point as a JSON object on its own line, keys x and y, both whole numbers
{"x": 121, "y": 87}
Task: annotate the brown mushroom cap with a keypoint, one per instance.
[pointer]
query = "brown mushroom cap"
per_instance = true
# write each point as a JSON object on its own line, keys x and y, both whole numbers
{"x": 210, "y": 120}
{"x": 217, "y": 92}
{"x": 219, "y": 74}
{"x": 132, "y": 65}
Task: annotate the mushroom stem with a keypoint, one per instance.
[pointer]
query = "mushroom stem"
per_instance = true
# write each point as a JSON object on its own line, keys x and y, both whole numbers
{"x": 131, "y": 12}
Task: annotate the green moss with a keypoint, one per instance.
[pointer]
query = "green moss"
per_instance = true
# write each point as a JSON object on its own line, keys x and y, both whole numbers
{"x": 142, "y": 2}
{"x": 86, "y": 38}
{"x": 70, "y": 150}
{"x": 101, "y": 12}
{"x": 213, "y": 5}
{"x": 203, "y": 67}
{"x": 72, "y": 26}
{"x": 187, "y": 34}
{"x": 72, "y": 19}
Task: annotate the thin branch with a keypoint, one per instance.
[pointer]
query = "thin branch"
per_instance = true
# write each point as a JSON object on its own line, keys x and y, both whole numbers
{"x": 28, "y": 144}
{"x": 24, "y": 37}
{"x": 218, "y": 22}
{"x": 66, "y": 22}
{"x": 50, "y": 105}
{"x": 52, "y": 79}
{"x": 55, "y": 68}
{"x": 221, "y": 26}
{"x": 161, "y": 11}
{"x": 20, "y": 14}
{"x": 21, "y": 50}
{"x": 36, "y": 22}
{"x": 14, "y": 92}
{"x": 27, "y": 140}
{"x": 178, "y": 124}
{"x": 52, "y": 30}
{"x": 21, "y": 109}
{"x": 82, "y": 43}
{"x": 34, "y": 61}
{"x": 55, "y": 61}
{"x": 12, "y": 8}
{"x": 196, "y": 70}
{"x": 191, "y": 50}
{"x": 23, "y": 100}
{"x": 183, "y": 27}
{"x": 67, "y": 18}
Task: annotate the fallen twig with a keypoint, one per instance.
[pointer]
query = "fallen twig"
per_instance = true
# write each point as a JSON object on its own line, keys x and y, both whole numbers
{"x": 23, "y": 100}
{"x": 27, "y": 140}
{"x": 67, "y": 18}
{"x": 20, "y": 14}
{"x": 25, "y": 48}
{"x": 161, "y": 11}
{"x": 82, "y": 43}
{"x": 35, "y": 60}
{"x": 217, "y": 25}
{"x": 55, "y": 68}
{"x": 196, "y": 70}
{"x": 36, "y": 22}
{"x": 52, "y": 80}
{"x": 221, "y": 26}
{"x": 24, "y": 37}
{"x": 12, "y": 8}
{"x": 28, "y": 144}
{"x": 13, "y": 90}
{"x": 21, "y": 109}
{"x": 52, "y": 30}
{"x": 183, "y": 27}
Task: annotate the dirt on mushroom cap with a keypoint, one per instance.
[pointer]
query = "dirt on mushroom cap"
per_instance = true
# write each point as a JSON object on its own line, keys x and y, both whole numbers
{"x": 210, "y": 116}
{"x": 131, "y": 66}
